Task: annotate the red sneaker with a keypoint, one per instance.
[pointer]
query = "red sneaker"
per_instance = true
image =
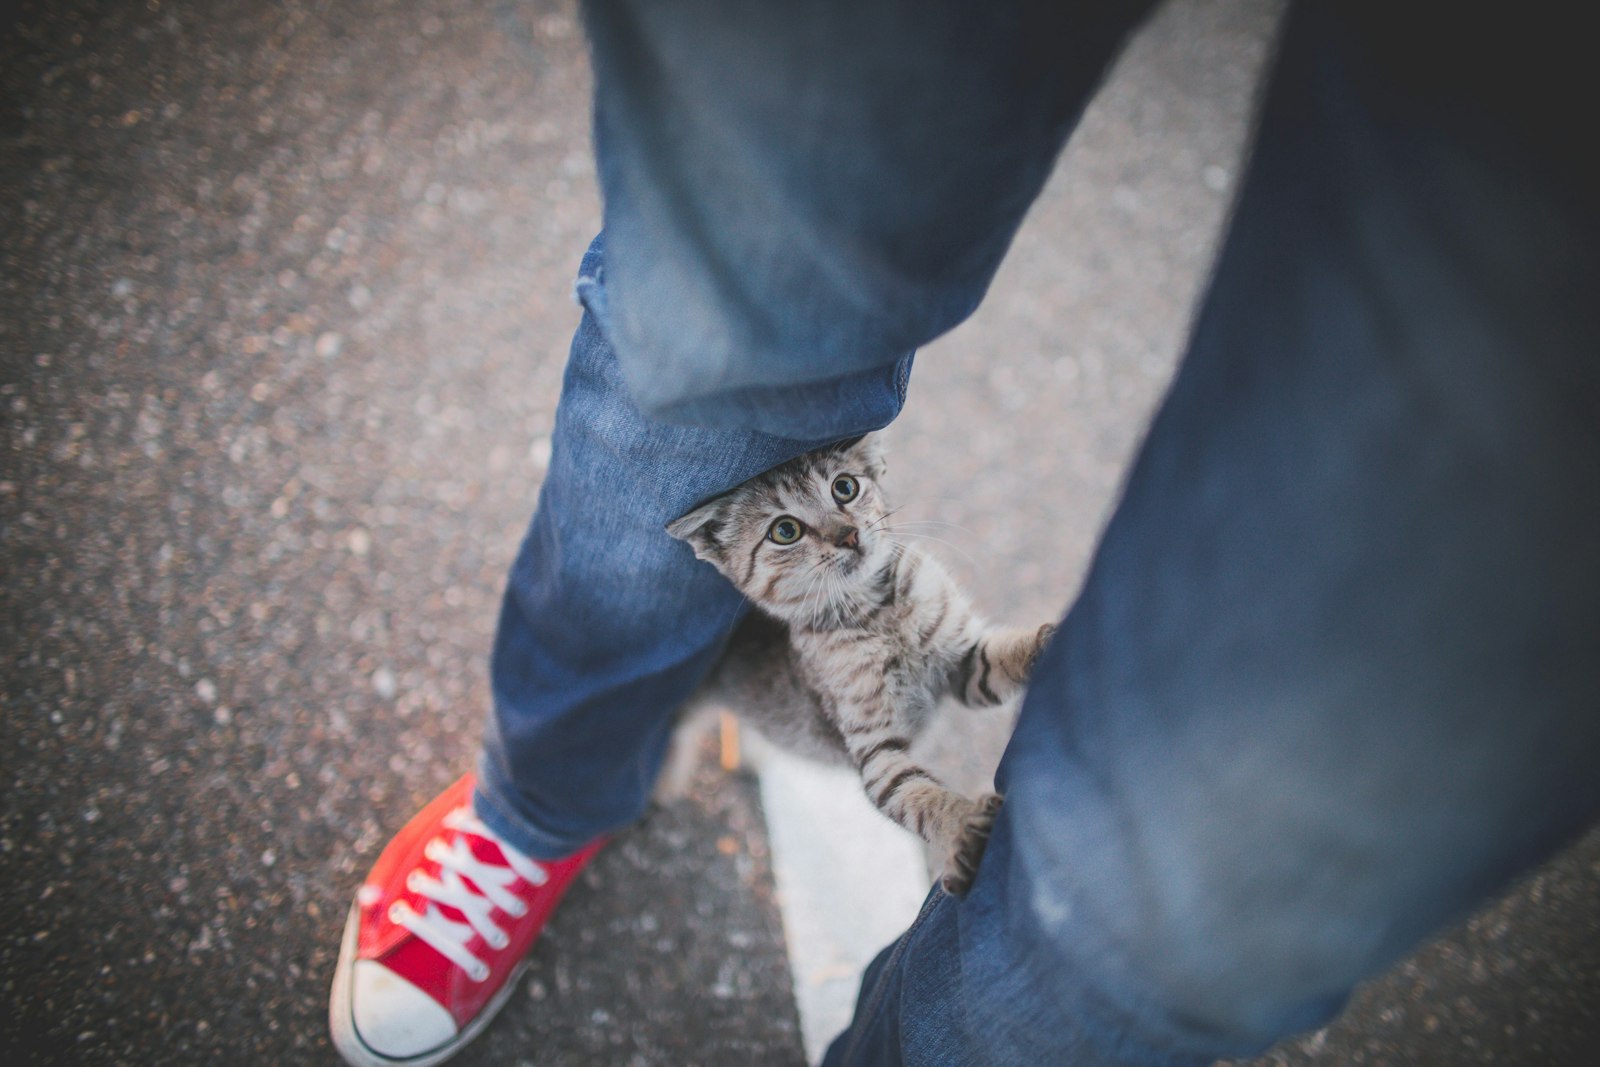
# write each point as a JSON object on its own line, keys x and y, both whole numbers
{"x": 438, "y": 936}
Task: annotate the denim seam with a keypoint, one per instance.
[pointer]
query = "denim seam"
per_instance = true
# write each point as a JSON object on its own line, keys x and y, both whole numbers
{"x": 875, "y": 1005}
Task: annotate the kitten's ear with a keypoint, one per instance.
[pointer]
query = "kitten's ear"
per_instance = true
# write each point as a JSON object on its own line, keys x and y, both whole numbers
{"x": 702, "y": 530}
{"x": 865, "y": 454}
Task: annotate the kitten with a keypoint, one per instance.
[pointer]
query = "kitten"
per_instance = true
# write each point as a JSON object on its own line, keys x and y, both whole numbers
{"x": 857, "y": 638}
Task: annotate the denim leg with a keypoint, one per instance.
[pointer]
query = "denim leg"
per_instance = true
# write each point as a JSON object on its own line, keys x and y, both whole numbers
{"x": 832, "y": 183}
{"x": 778, "y": 240}
{"x": 1332, "y": 678}
{"x": 607, "y": 623}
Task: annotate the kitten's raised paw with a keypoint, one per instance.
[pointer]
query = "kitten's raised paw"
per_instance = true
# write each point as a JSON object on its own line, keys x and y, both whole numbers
{"x": 1046, "y": 632}
{"x": 962, "y": 866}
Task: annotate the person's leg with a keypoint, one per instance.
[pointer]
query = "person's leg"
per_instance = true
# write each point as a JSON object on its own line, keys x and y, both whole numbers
{"x": 780, "y": 235}
{"x": 1332, "y": 677}
{"x": 608, "y": 623}
{"x": 793, "y": 188}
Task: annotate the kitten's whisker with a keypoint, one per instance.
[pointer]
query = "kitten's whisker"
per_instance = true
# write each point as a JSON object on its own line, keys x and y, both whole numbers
{"x": 960, "y": 502}
{"x": 963, "y": 553}
{"x": 812, "y": 599}
{"x": 845, "y": 601}
{"x": 884, "y": 517}
{"x": 939, "y": 541}
{"x": 936, "y": 522}
{"x": 733, "y": 618}
{"x": 899, "y": 548}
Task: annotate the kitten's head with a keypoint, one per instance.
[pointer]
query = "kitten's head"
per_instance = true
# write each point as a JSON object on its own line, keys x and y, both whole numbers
{"x": 802, "y": 539}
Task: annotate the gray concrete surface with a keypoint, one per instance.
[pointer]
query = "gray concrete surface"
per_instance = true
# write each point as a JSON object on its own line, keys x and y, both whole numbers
{"x": 283, "y": 308}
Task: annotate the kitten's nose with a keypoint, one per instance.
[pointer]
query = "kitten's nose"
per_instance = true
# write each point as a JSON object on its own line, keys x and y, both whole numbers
{"x": 849, "y": 537}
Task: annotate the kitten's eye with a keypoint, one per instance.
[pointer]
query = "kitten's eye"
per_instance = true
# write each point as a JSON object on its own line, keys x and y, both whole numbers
{"x": 785, "y": 531}
{"x": 845, "y": 489}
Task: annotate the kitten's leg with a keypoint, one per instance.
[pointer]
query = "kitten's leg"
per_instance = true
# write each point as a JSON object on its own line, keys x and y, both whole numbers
{"x": 962, "y": 865}
{"x": 695, "y": 723}
{"x": 908, "y": 793}
{"x": 997, "y": 664}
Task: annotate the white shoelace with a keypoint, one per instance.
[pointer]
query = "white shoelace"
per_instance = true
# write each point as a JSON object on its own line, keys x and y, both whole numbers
{"x": 472, "y": 886}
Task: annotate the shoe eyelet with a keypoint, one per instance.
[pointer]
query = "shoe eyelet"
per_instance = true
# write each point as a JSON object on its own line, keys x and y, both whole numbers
{"x": 395, "y": 912}
{"x": 517, "y": 910}
{"x": 479, "y": 974}
{"x": 412, "y": 880}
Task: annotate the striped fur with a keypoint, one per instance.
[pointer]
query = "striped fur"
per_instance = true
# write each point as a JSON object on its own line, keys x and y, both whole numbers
{"x": 858, "y": 637}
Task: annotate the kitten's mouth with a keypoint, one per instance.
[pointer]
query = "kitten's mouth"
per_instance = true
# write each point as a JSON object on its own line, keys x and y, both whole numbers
{"x": 849, "y": 562}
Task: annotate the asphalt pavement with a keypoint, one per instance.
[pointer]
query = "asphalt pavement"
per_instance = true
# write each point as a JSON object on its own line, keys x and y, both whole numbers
{"x": 285, "y": 294}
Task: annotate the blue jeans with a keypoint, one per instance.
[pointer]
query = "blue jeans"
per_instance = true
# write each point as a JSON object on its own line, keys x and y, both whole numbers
{"x": 1333, "y": 677}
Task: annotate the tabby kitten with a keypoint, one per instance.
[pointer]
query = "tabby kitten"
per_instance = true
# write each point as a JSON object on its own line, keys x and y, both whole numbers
{"x": 858, "y": 637}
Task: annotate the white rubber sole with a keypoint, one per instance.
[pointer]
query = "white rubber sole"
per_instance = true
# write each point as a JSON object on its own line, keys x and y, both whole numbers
{"x": 341, "y": 1017}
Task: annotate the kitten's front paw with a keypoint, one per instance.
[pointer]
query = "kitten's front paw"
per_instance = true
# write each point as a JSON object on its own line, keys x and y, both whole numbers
{"x": 962, "y": 866}
{"x": 1042, "y": 638}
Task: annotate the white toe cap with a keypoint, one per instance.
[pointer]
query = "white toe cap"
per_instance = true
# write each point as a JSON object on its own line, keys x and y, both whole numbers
{"x": 393, "y": 1017}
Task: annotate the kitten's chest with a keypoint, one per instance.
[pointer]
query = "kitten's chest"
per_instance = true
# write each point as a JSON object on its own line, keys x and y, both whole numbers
{"x": 865, "y": 667}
